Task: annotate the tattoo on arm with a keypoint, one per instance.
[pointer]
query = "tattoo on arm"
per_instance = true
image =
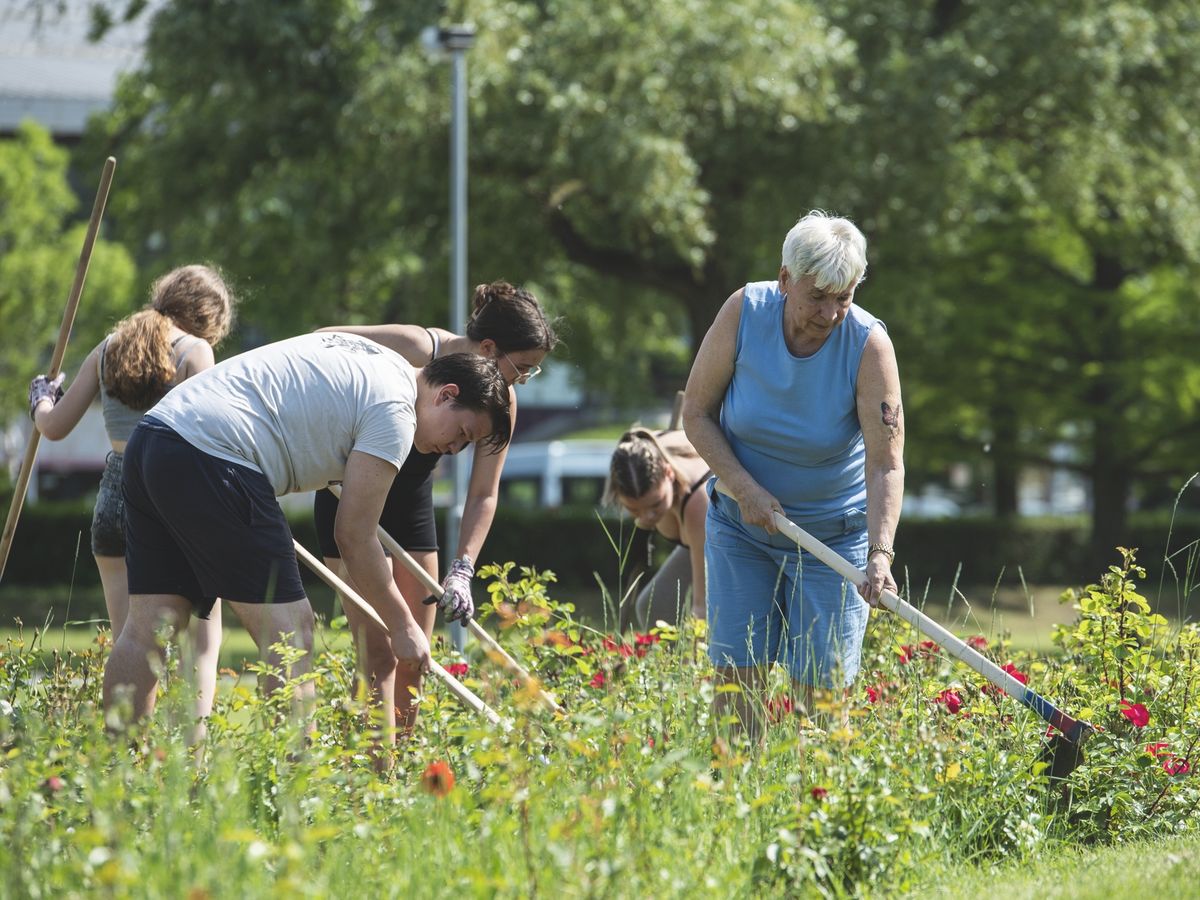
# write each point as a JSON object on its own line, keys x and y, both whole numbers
{"x": 891, "y": 416}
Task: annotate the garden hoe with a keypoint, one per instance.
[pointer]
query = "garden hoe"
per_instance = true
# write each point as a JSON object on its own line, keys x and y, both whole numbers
{"x": 435, "y": 592}
{"x": 460, "y": 690}
{"x": 1066, "y": 747}
{"x": 60, "y": 349}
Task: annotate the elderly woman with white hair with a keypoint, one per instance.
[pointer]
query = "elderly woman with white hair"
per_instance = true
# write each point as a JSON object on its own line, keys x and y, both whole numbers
{"x": 794, "y": 402}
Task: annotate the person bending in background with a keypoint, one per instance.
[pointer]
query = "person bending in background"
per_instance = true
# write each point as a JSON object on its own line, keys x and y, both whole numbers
{"x": 204, "y": 466}
{"x": 507, "y": 325}
{"x": 794, "y": 400}
{"x": 191, "y": 311}
{"x": 658, "y": 479}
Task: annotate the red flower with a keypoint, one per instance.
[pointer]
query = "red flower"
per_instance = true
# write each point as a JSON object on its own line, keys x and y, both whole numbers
{"x": 1135, "y": 713}
{"x": 873, "y": 693}
{"x": 53, "y": 784}
{"x": 905, "y": 653}
{"x": 1012, "y": 670}
{"x": 777, "y": 708}
{"x": 458, "y": 670}
{"x": 978, "y": 641}
{"x": 613, "y": 647}
{"x": 950, "y": 699}
{"x": 1173, "y": 765}
{"x": 928, "y": 649}
{"x": 819, "y": 793}
{"x": 1157, "y": 749}
{"x": 598, "y": 680}
{"x": 438, "y": 779}
{"x": 646, "y": 639}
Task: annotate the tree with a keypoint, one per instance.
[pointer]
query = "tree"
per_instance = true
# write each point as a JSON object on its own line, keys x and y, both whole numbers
{"x": 1049, "y": 163}
{"x": 40, "y": 239}
{"x": 305, "y": 149}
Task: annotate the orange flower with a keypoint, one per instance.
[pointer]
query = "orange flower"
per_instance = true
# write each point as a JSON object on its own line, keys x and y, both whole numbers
{"x": 438, "y": 779}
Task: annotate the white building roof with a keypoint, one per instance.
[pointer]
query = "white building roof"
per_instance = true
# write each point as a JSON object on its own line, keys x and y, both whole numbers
{"x": 51, "y": 72}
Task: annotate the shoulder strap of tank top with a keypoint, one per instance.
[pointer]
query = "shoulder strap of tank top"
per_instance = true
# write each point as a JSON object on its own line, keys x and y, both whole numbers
{"x": 695, "y": 486}
{"x": 103, "y": 350}
{"x": 437, "y": 343}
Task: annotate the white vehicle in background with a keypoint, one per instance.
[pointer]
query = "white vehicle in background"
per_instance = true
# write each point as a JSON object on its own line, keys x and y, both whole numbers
{"x": 540, "y": 474}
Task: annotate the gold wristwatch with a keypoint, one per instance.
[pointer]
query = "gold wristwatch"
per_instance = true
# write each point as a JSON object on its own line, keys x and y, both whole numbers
{"x": 885, "y": 549}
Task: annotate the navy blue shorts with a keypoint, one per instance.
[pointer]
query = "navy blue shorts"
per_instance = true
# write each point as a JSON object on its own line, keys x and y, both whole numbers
{"x": 202, "y": 528}
{"x": 407, "y": 517}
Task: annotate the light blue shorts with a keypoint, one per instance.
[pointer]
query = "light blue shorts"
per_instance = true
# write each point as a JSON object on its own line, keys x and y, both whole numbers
{"x": 768, "y": 601}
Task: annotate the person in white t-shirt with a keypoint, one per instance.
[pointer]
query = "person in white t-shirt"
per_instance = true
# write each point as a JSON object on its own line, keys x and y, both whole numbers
{"x": 203, "y": 469}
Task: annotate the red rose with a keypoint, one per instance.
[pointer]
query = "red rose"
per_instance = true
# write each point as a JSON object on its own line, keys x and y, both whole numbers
{"x": 950, "y": 699}
{"x": 1173, "y": 765}
{"x": 1135, "y": 713}
{"x": 819, "y": 793}
{"x": 905, "y": 653}
{"x": 1013, "y": 671}
{"x": 978, "y": 641}
{"x": 458, "y": 670}
{"x": 598, "y": 680}
{"x": 1157, "y": 749}
{"x": 873, "y": 693}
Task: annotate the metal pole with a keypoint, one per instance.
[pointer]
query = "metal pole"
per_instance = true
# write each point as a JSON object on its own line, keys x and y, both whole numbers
{"x": 458, "y": 268}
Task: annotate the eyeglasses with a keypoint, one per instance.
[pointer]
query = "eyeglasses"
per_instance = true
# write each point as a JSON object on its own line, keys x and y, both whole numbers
{"x": 522, "y": 377}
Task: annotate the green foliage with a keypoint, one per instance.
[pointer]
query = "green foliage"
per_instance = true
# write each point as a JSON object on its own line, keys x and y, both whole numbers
{"x": 40, "y": 242}
{"x": 1136, "y": 678}
{"x": 631, "y": 792}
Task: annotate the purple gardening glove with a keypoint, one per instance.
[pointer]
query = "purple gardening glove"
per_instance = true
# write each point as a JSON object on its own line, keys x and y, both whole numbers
{"x": 456, "y": 600}
{"x": 42, "y": 388}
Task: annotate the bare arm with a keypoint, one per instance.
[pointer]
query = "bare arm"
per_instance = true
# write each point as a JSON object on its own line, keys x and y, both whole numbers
{"x": 881, "y": 418}
{"x": 709, "y": 379}
{"x": 693, "y": 533}
{"x": 56, "y": 422}
{"x": 365, "y": 487}
{"x": 483, "y": 493}
{"x": 198, "y": 358}
{"x": 410, "y": 341}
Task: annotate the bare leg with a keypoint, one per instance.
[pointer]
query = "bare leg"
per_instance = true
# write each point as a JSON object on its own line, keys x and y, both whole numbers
{"x": 376, "y": 663}
{"x": 289, "y": 623}
{"x": 137, "y": 657}
{"x": 408, "y": 678}
{"x": 116, "y": 590}
{"x": 200, "y": 655}
{"x": 742, "y": 704}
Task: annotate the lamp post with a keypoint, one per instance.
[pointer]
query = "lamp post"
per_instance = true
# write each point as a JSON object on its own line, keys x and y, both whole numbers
{"x": 452, "y": 42}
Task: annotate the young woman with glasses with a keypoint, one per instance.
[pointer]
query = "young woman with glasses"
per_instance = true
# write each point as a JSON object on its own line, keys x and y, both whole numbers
{"x": 506, "y": 325}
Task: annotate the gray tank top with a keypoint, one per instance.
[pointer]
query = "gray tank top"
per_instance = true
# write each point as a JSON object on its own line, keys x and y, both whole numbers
{"x": 119, "y": 419}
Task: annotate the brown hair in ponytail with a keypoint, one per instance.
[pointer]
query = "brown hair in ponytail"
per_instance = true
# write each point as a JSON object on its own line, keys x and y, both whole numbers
{"x": 138, "y": 364}
{"x": 511, "y": 317}
{"x": 640, "y": 460}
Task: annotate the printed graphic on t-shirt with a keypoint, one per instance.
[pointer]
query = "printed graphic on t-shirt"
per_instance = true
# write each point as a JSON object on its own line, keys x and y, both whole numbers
{"x": 353, "y": 344}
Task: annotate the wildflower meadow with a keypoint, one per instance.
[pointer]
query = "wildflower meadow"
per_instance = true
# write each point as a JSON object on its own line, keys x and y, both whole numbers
{"x": 632, "y": 791}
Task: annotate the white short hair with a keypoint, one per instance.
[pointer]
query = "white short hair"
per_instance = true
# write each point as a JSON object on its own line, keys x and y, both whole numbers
{"x": 830, "y": 248}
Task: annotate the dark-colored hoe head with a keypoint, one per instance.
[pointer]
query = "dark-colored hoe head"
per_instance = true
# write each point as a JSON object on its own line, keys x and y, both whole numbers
{"x": 1064, "y": 753}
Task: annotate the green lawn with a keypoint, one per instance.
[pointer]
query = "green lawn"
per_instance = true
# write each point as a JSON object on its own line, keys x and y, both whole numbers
{"x": 1163, "y": 868}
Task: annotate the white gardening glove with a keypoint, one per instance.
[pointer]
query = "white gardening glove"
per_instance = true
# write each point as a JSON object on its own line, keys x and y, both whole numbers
{"x": 456, "y": 601}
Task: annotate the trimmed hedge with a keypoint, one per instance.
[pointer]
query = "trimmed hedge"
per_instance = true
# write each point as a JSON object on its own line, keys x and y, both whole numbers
{"x": 52, "y": 547}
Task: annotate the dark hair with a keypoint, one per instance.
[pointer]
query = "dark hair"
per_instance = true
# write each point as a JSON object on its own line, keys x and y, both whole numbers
{"x": 511, "y": 317}
{"x": 640, "y": 462}
{"x": 481, "y": 387}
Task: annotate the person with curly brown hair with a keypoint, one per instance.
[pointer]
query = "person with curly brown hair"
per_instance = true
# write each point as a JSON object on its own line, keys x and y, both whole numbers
{"x": 191, "y": 310}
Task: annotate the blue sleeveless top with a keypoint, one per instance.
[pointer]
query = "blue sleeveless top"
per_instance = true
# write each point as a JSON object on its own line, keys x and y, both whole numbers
{"x": 792, "y": 421}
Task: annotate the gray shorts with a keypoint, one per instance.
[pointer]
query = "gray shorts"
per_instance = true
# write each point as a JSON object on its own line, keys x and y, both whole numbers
{"x": 108, "y": 519}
